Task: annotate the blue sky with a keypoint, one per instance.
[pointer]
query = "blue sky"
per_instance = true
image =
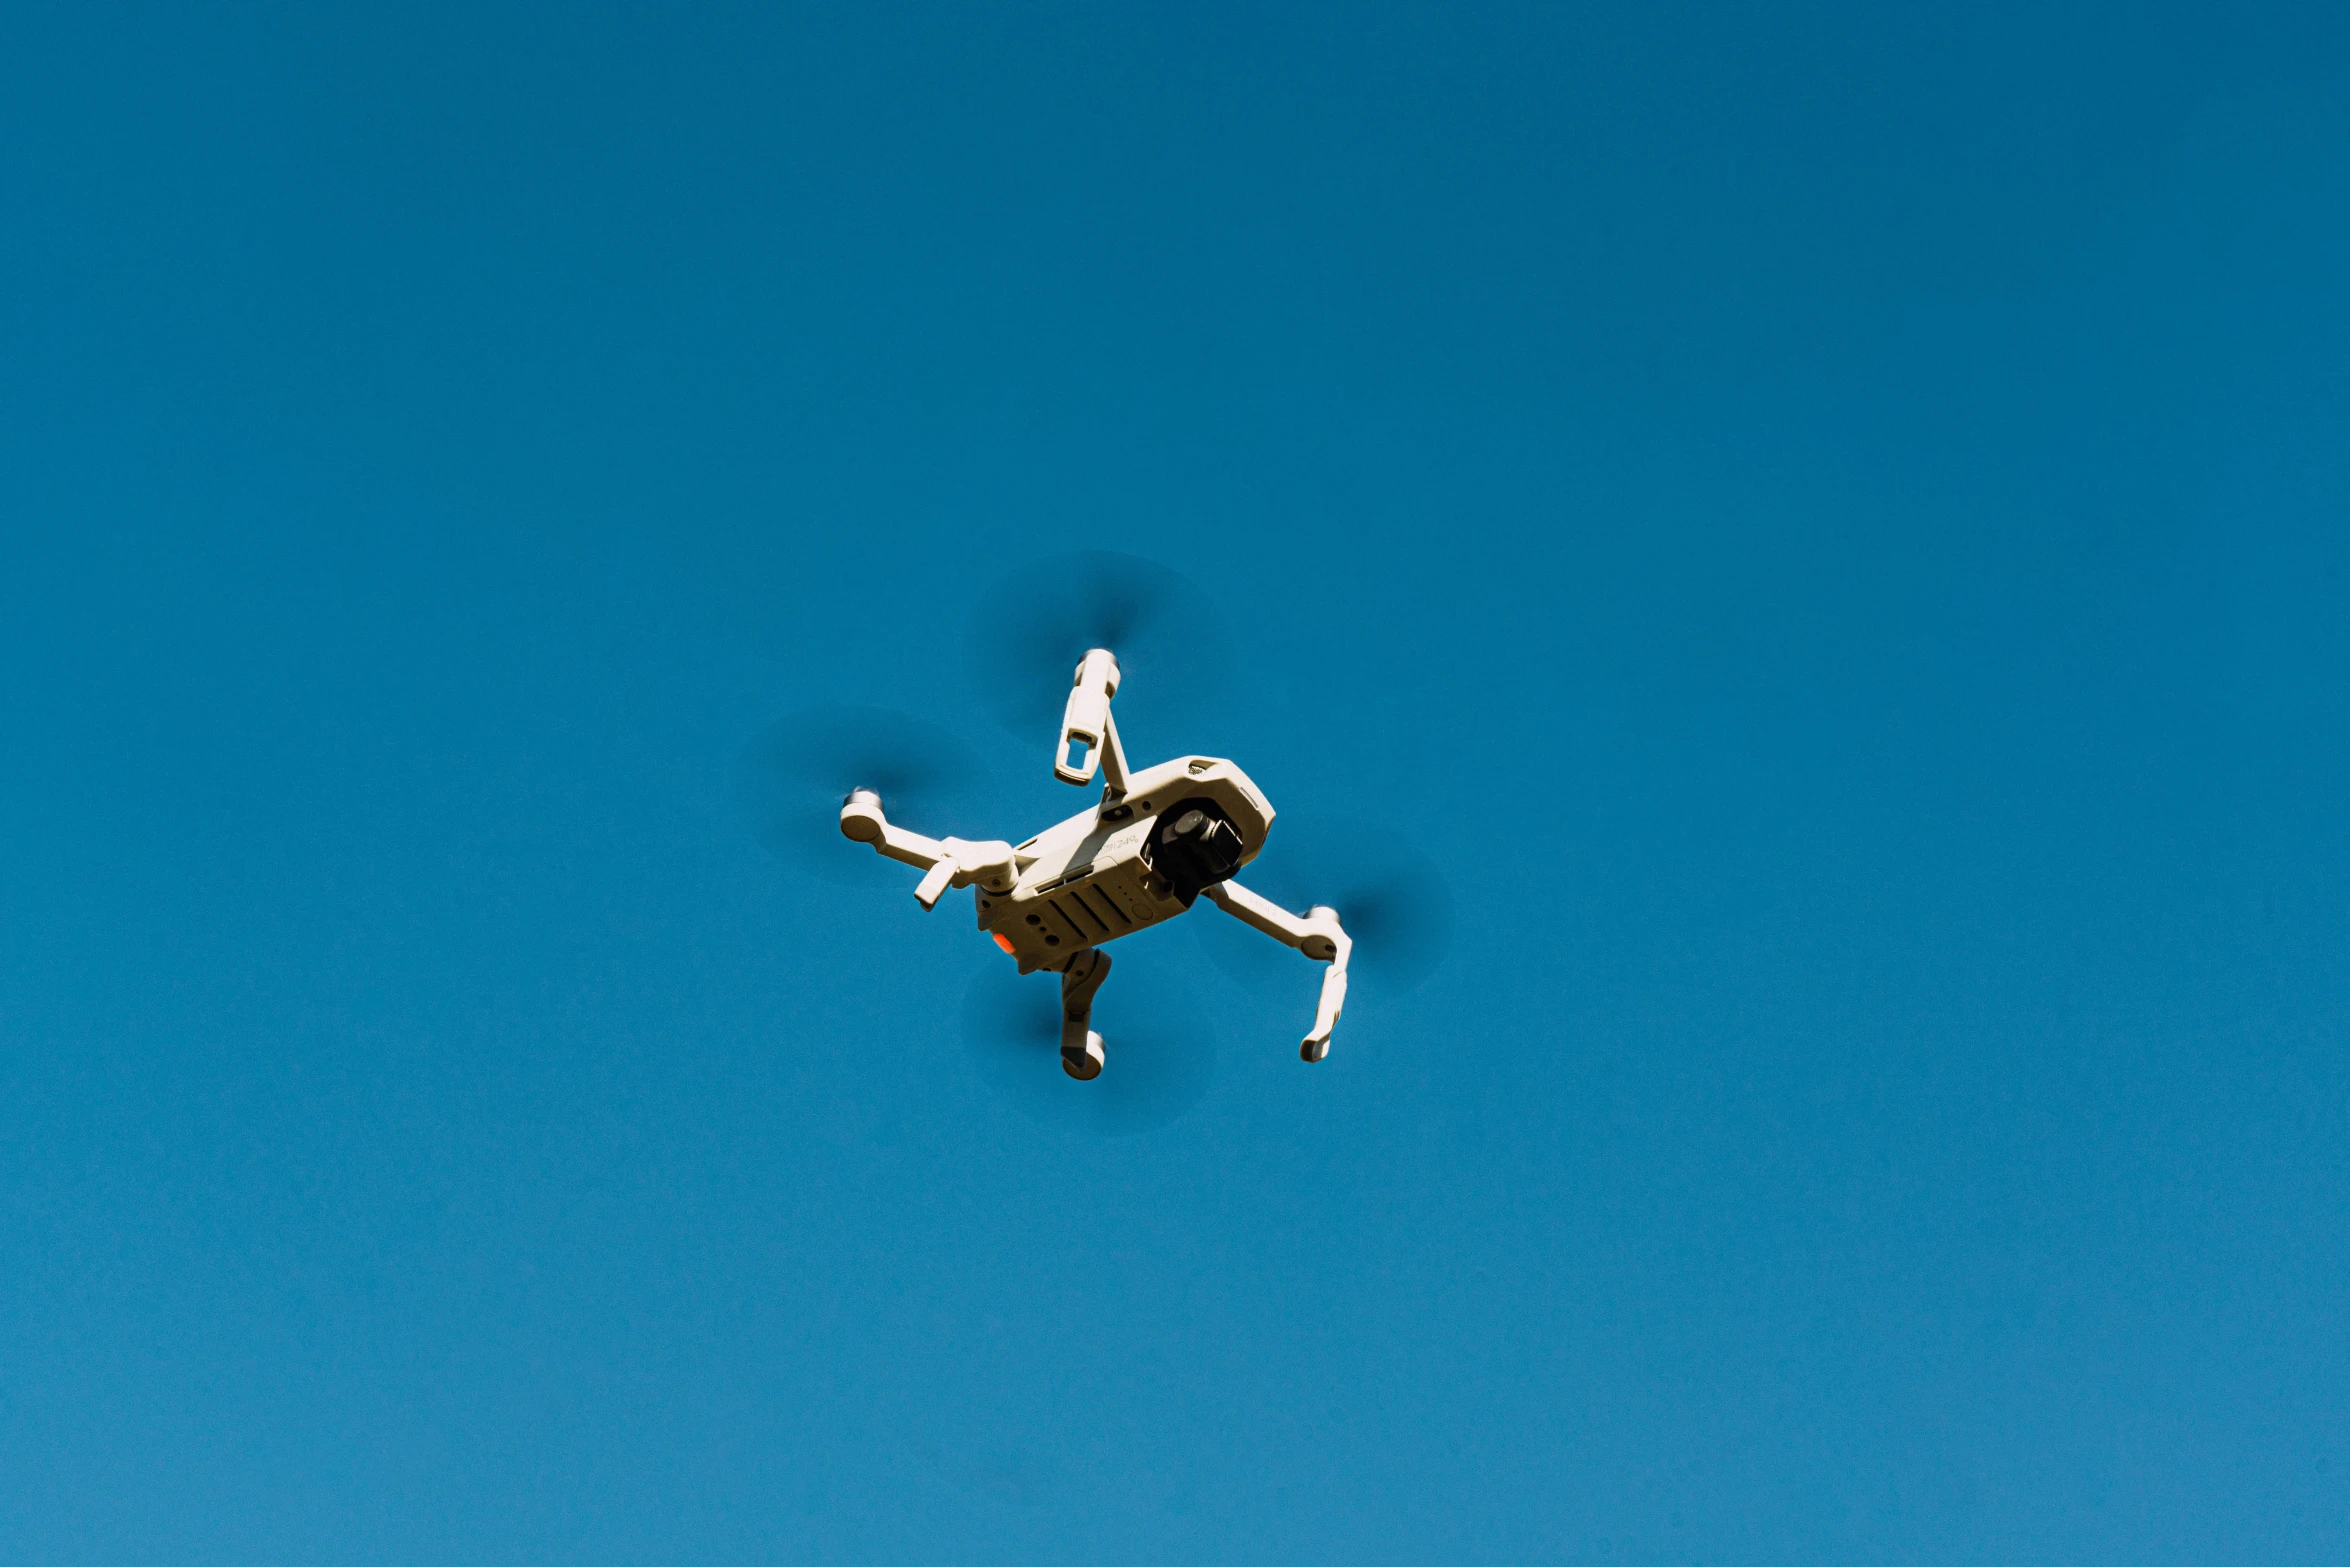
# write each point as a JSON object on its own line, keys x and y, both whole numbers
{"x": 1826, "y": 524}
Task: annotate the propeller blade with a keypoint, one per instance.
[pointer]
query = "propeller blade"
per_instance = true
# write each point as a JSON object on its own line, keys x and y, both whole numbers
{"x": 791, "y": 779}
{"x": 1174, "y": 650}
{"x": 1160, "y": 1045}
{"x": 1390, "y": 896}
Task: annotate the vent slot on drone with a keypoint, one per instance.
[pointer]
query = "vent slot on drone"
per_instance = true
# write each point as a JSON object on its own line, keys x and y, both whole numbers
{"x": 1086, "y": 909}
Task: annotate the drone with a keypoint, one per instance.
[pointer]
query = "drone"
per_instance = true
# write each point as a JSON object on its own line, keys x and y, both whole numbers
{"x": 1158, "y": 841}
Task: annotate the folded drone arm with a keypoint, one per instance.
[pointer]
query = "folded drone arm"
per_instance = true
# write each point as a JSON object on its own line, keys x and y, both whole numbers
{"x": 1089, "y": 736}
{"x": 1318, "y": 935}
{"x": 946, "y": 861}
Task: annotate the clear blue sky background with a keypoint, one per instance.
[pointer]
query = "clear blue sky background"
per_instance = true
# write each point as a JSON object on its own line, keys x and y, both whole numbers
{"x": 1828, "y": 522}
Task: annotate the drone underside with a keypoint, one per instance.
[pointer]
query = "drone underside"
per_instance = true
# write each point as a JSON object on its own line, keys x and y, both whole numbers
{"x": 1158, "y": 840}
{"x": 1106, "y": 872}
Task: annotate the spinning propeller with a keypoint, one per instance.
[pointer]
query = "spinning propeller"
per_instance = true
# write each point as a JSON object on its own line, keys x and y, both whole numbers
{"x": 791, "y": 779}
{"x": 1031, "y": 629}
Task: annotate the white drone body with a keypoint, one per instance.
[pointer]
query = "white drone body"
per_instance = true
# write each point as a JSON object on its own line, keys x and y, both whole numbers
{"x": 1160, "y": 839}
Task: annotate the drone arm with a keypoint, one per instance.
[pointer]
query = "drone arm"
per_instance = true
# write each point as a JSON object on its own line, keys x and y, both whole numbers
{"x": 989, "y": 862}
{"x": 1262, "y": 913}
{"x": 1086, "y": 722}
{"x": 1113, "y": 756}
{"x": 861, "y": 821}
{"x": 946, "y": 862}
{"x": 1318, "y": 935}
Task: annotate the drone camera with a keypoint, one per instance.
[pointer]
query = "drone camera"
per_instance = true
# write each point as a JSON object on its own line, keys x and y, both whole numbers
{"x": 1193, "y": 845}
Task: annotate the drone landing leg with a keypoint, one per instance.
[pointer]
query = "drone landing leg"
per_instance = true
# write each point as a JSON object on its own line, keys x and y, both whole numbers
{"x": 1081, "y": 1047}
{"x": 1318, "y": 935}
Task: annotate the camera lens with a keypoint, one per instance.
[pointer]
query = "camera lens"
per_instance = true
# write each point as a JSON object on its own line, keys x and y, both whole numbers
{"x": 1196, "y": 847}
